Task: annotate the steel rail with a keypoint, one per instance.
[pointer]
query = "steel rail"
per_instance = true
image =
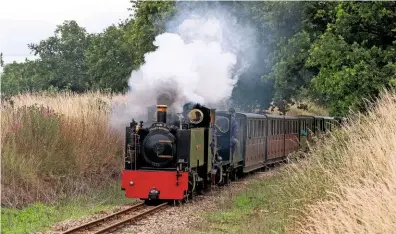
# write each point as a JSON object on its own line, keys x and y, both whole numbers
{"x": 130, "y": 219}
{"x": 104, "y": 219}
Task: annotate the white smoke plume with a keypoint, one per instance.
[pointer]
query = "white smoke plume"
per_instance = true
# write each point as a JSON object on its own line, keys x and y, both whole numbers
{"x": 197, "y": 60}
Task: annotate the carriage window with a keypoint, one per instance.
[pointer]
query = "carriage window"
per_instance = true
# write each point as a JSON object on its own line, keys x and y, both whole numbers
{"x": 287, "y": 126}
{"x": 250, "y": 128}
{"x": 292, "y": 127}
{"x": 281, "y": 126}
{"x": 255, "y": 128}
{"x": 277, "y": 127}
{"x": 263, "y": 123}
{"x": 273, "y": 127}
{"x": 260, "y": 128}
{"x": 291, "y": 130}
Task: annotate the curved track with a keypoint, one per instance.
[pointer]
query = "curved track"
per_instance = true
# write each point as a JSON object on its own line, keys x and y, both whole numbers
{"x": 117, "y": 220}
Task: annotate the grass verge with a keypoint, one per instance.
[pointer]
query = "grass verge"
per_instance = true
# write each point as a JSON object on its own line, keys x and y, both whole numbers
{"x": 40, "y": 217}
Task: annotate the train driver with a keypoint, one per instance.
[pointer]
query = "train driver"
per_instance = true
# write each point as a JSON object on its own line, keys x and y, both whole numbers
{"x": 234, "y": 130}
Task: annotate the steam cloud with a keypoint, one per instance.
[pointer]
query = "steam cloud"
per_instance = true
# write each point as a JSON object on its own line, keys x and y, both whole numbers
{"x": 198, "y": 59}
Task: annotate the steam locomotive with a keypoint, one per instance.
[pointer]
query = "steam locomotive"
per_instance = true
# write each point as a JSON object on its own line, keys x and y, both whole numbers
{"x": 174, "y": 160}
{"x": 169, "y": 162}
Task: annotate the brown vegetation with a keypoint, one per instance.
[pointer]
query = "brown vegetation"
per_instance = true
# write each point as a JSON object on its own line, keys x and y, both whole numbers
{"x": 360, "y": 166}
{"x": 306, "y": 107}
{"x": 55, "y": 146}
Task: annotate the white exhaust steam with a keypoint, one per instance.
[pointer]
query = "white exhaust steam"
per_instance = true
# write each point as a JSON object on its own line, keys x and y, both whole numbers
{"x": 196, "y": 61}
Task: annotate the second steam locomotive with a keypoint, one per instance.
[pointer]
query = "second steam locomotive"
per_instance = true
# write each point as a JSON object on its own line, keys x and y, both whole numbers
{"x": 171, "y": 160}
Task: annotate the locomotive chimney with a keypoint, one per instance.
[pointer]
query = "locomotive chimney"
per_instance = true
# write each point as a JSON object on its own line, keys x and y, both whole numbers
{"x": 161, "y": 113}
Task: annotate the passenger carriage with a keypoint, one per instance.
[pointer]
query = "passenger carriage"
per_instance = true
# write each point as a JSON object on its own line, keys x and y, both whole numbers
{"x": 262, "y": 139}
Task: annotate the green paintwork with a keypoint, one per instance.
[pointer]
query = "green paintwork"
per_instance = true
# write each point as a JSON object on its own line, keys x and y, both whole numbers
{"x": 197, "y": 147}
{"x": 209, "y": 149}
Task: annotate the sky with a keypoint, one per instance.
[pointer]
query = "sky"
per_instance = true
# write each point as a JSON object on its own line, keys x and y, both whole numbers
{"x": 28, "y": 21}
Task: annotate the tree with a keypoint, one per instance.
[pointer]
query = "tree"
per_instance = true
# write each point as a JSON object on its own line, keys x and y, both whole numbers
{"x": 109, "y": 59}
{"x": 276, "y": 22}
{"x": 149, "y": 20}
{"x": 356, "y": 55}
{"x": 20, "y": 77}
{"x": 1, "y": 60}
{"x": 291, "y": 76}
{"x": 63, "y": 57}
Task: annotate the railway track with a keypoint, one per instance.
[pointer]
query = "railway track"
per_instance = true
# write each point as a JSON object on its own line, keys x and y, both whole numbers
{"x": 117, "y": 220}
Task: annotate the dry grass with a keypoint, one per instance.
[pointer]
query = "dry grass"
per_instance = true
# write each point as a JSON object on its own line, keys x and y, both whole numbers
{"x": 56, "y": 146}
{"x": 362, "y": 191}
{"x": 312, "y": 109}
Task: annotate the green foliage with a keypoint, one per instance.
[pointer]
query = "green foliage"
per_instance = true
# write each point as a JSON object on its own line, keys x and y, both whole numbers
{"x": 62, "y": 57}
{"x": 356, "y": 55}
{"x": 109, "y": 59}
{"x": 149, "y": 21}
{"x": 1, "y": 60}
{"x": 290, "y": 73}
{"x": 291, "y": 76}
{"x": 342, "y": 54}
